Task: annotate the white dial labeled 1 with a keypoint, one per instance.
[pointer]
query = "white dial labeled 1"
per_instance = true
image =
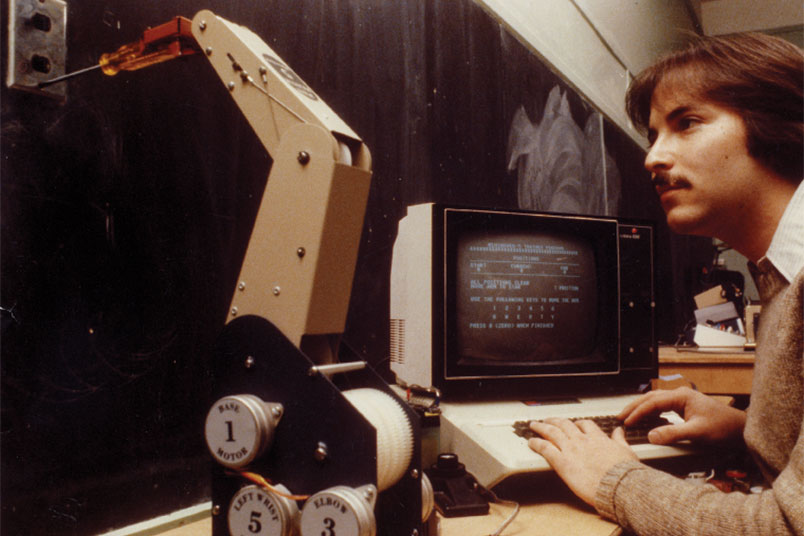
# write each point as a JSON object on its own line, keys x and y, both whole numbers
{"x": 239, "y": 428}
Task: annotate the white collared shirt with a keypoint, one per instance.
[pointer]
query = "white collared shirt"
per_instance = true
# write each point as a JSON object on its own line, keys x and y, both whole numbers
{"x": 786, "y": 250}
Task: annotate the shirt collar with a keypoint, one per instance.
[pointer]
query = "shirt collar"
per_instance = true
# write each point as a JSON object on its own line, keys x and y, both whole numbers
{"x": 786, "y": 250}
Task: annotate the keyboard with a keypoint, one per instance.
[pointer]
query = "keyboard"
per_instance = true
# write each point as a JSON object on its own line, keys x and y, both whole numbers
{"x": 635, "y": 434}
{"x": 480, "y": 433}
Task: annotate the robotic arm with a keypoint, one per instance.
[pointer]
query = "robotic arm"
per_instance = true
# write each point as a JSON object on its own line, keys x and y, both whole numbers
{"x": 356, "y": 452}
{"x": 301, "y": 256}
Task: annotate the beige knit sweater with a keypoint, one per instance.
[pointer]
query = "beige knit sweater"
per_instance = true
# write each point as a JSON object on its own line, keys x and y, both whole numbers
{"x": 649, "y": 502}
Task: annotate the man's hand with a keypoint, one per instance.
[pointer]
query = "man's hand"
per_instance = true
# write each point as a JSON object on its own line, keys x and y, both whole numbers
{"x": 580, "y": 452}
{"x": 705, "y": 419}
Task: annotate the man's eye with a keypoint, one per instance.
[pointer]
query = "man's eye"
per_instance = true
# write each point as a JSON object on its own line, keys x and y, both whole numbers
{"x": 686, "y": 122}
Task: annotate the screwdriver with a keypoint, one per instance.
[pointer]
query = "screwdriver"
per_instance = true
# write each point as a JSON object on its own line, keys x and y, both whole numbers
{"x": 162, "y": 43}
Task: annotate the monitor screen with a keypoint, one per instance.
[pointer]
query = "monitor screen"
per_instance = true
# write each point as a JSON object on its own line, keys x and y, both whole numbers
{"x": 524, "y": 297}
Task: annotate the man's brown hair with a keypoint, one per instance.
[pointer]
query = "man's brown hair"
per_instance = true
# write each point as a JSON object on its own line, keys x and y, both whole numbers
{"x": 758, "y": 76}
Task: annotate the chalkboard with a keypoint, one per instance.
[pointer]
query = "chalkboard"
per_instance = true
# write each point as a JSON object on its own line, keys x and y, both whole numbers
{"x": 126, "y": 211}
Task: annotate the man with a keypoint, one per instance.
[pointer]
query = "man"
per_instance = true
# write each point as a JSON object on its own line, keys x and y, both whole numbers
{"x": 725, "y": 122}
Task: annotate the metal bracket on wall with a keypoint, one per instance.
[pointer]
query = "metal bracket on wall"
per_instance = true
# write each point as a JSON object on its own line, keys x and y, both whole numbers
{"x": 37, "y": 45}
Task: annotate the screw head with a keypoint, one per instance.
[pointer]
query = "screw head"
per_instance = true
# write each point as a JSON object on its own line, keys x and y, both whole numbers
{"x": 234, "y": 311}
{"x": 203, "y": 25}
{"x": 321, "y": 452}
{"x": 301, "y": 252}
{"x": 276, "y": 291}
{"x": 303, "y": 157}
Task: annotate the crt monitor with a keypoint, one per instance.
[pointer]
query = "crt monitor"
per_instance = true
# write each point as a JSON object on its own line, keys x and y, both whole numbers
{"x": 492, "y": 302}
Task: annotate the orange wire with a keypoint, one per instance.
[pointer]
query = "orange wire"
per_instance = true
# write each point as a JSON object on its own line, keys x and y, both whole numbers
{"x": 266, "y": 485}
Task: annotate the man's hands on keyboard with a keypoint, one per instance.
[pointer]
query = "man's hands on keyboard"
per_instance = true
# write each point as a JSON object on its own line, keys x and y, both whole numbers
{"x": 580, "y": 452}
{"x": 705, "y": 420}
{"x": 635, "y": 434}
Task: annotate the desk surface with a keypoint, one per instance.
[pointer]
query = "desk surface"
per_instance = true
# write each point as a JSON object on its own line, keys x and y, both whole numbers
{"x": 712, "y": 372}
{"x": 546, "y": 519}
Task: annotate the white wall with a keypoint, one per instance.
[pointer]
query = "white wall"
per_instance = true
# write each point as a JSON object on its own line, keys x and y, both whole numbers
{"x": 597, "y": 45}
{"x": 729, "y": 16}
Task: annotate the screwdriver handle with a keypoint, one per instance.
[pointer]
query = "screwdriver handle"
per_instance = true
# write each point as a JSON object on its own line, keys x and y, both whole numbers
{"x": 161, "y": 43}
{"x": 112, "y": 63}
{"x": 135, "y": 56}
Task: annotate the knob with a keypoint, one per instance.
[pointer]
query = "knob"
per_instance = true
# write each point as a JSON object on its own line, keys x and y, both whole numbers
{"x": 340, "y": 510}
{"x": 239, "y": 428}
{"x": 254, "y": 510}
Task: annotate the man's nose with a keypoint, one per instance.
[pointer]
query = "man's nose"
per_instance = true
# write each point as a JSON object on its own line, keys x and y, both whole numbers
{"x": 659, "y": 157}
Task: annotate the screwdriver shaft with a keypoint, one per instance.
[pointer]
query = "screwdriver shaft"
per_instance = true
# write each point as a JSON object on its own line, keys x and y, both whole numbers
{"x": 67, "y": 76}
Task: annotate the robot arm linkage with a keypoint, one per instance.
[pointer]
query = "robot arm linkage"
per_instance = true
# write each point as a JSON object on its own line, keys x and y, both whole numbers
{"x": 298, "y": 268}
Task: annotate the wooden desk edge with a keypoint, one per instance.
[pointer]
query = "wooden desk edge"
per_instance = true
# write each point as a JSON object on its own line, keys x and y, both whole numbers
{"x": 673, "y": 355}
{"x": 543, "y": 519}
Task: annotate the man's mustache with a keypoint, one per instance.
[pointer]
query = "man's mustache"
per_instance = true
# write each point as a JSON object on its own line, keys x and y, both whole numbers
{"x": 667, "y": 181}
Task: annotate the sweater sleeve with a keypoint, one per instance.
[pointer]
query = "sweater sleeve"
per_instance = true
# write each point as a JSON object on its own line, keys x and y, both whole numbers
{"x": 650, "y": 502}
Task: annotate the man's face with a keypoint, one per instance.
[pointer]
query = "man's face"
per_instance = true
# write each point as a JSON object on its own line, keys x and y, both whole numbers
{"x": 699, "y": 162}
